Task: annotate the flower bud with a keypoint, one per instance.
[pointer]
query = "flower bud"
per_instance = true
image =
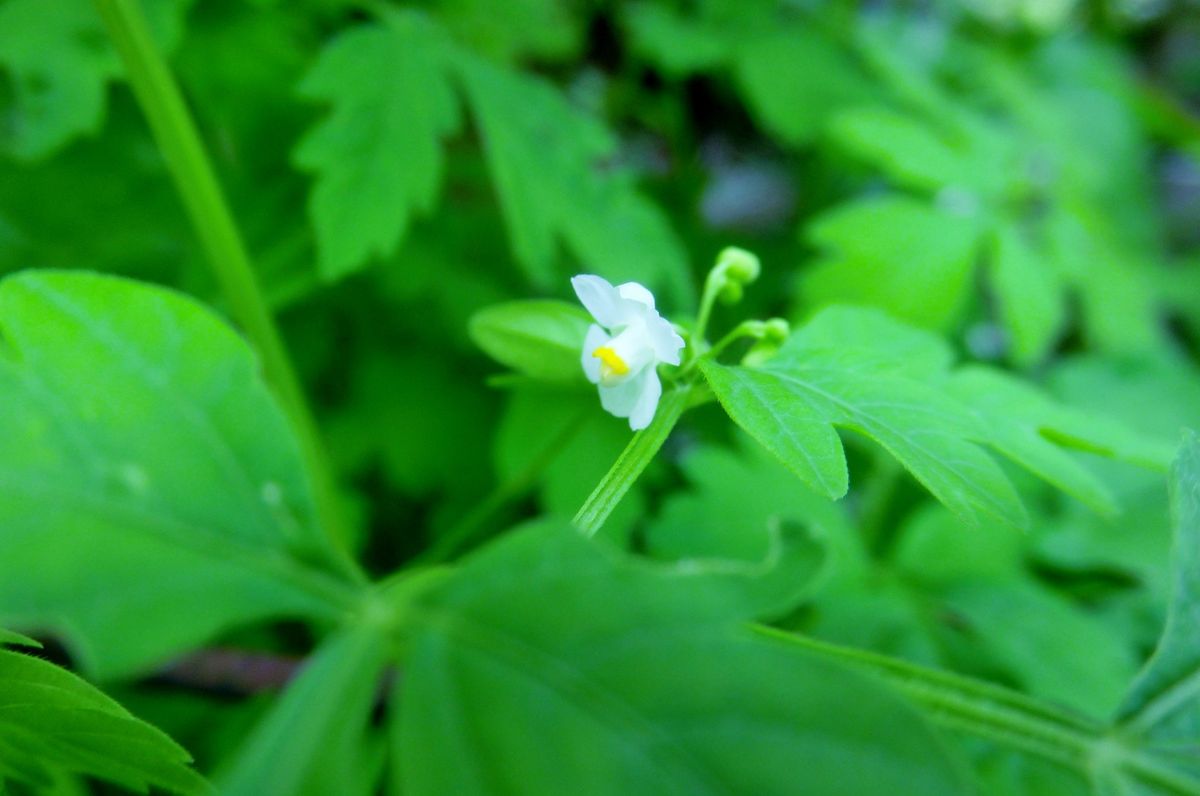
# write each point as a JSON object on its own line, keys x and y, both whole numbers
{"x": 730, "y": 293}
{"x": 776, "y": 330}
{"x": 740, "y": 265}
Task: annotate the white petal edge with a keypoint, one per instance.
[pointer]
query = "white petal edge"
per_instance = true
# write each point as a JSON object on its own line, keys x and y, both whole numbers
{"x": 599, "y": 298}
{"x": 665, "y": 340}
{"x": 594, "y": 338}
{"x": 621, "y": 399}
{"x": 634, "y": 291}
{"x": 647, "y": 401}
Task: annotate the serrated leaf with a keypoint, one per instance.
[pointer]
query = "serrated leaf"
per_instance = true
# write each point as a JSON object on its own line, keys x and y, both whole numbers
{"x": 1029, "y": 293}
{"x": 897, "y": 253}
{"x": 1163, "y": 704}
{"x": 910, "y": 151}
{"x": 552, "y": 168}
{"x": 795, "y": 77}
{"x": 7, "y": 637}
{"x": 378, "y": 156}
{"x": 147, "y": 476}
{"x": 53, "y": 722}
{"x": 677, "y": 45}
{"x": 792, "y": 404}
{"x": 519, "y": 29}
{"x": 542, "y": 339}
{"x": 60, "y": 65}
{"x": 313, "y": 739}
{"x": 659, "y": 691}
{"x": 1031, "y": 429}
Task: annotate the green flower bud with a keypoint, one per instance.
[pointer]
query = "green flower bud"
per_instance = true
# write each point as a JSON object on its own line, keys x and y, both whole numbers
{"x": 739, "y": 264}
{"x": 776, "y": 330}
{"x": 730, "y": 293}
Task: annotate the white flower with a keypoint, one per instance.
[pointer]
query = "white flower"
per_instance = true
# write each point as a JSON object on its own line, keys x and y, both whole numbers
{"x": 622, "y": 349}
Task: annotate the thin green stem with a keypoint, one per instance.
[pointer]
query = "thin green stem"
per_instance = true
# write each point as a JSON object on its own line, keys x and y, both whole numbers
{"x": 1006, "y": 717}
{"x": 464, "y": 532}
{"x": 632, "y": 462}
{"x": 712, "y": 286}
{"x": 195, "y": 180}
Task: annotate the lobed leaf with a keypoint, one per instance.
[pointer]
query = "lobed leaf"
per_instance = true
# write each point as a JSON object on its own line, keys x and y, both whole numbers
{"x": 377, "y": 157}
{"x": 660, "y": 690}
{"x": 553, "y": 171}
{"x": 146, "y": 475}
{"x": 856, "y": 369}
{"x": 53, "y": 722}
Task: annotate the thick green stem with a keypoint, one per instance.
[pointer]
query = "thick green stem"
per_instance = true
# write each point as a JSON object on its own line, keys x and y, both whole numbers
{"x": 196, "y": 182}
{"x": 632, "y": 462}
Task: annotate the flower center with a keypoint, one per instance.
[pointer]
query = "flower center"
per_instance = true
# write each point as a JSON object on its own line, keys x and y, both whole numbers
{"x": 611, "y": 363}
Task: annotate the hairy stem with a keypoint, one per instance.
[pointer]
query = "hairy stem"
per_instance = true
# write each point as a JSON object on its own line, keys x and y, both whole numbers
{"x": 632, "y": 462}
{"x": 195, "y": 180}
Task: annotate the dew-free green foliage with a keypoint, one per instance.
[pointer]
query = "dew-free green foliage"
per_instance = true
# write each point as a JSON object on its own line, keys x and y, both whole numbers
{"x": 660, "y": 691}
{"x": 299, "y": 463}
{"x": 53, "y": 723}
{"x": 392, "y": 107}
{"x": 127, "y": 409}
{"x": 857, "y": 370}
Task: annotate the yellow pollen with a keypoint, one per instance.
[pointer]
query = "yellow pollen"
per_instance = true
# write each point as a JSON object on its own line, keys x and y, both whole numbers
{"x": 610, "y": 361}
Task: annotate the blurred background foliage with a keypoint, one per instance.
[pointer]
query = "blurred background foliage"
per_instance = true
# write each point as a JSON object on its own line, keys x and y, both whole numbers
{"x": 1021, "y": 177}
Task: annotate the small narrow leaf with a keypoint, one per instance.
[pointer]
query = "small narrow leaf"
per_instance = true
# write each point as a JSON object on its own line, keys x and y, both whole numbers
{"x": 53, "y": 722}
{"x": 378, "y": 156}
{"x": 542, "y": 339}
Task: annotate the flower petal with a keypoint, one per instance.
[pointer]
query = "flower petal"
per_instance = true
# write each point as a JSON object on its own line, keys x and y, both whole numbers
{"x": 647, "y": 401}
{"x": 636, "y": 292}
{"x": 664, "y": 339}
{"x": 621, "y": 398}
{"x": 599, "y": 298}
{"x": 594, "y": 338}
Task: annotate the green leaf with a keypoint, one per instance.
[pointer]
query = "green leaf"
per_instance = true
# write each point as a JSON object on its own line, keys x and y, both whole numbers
{"x": 1032, "y": 430}
{"x": 897, "y": 253}
{"x": 549, "y": 659}
{"x": 52, "y": 721}
{"x": 527, "y": 29}
{"x": 60, "y": 65}
{"x": 795, "y": 77}
{"x": 1052, "y": 647}
{"x": 814, "y": 383}
{"x": 16, "y": 639}
{"x": 378, "y": 156}
{"x": 146, "y": 476}
{"x": 677, "y": 45}
{"x": 551, "y": 166}
{"x": 542, "y": 339}
{"x": 1163, "y": 704}
{"x": 314, "y": 738}
{"x": 908, "y": 150}
{"x": 1029, "y": 293}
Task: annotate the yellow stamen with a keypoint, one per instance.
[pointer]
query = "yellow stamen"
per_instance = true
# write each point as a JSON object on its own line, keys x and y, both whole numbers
{"x": 610, "y": 362}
